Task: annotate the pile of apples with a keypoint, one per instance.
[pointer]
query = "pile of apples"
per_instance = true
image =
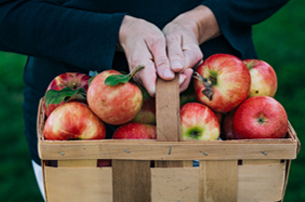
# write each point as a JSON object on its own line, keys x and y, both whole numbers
{"x": 231, "y": 99}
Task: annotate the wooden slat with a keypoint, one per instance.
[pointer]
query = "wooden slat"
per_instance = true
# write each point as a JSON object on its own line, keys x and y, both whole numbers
{"x": 168, "y": 116}
{"x": 78, "y": 184}
{"x": 131, "y": 181}
{"x": 153, "y": 150}
{"x": 218, "y": 181}
{"x": 261, "y": 182}
{"x": 175, "y": 184}
{"x": 77, "y": 163}
{"x": 167, "y": 109}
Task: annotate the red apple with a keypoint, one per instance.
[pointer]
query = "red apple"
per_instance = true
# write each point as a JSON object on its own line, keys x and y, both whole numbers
{"x": 219, "y": 116}
{"x": 104, "y": 162}
{"x": 73, "y": 120}
{"x": 147, "y": 113}
{"x": 227, "y": 82}
{"x": 116, "y": 104}
{"x": 227, "y": 126}
{"x": 73, "y": 80}
{"x": 198, "y": 122}
{"x": 260, "y": 117}
{"x": 263, "y": 78}
{"x": 134, "y": 130}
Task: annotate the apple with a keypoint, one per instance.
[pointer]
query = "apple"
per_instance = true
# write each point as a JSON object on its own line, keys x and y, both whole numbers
{"x": 104, "y": 162}
{"x": 73, "y": 120}
{"x": 263, "y": 78}
{"x": 134, "y": 130}
{"x": 227, "y": 132}
{"x": 116, "y": 104}
{"x": 198, "y": 122}
{"x": 74, "y": 81}
{"x": 219, "y": 116}
{"x": 260, "y": 117}
{"x": 223, "y": 82}
{"x": 147, "y": 113}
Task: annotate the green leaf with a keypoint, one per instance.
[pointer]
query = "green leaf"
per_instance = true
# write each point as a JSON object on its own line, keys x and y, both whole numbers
{"x": 113, "y": 80}
{"x": 56, "y": 97}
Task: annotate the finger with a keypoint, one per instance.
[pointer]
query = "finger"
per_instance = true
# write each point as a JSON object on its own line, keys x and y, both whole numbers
{"x": 192, "y": 55}
{"x": 147, "y": 76}
{"x": 174, "y": 51}
{"x": 157, "y": 49}
{"x": 188, "y": 73}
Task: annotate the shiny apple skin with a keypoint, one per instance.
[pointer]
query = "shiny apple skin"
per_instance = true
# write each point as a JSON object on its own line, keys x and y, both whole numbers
{"x": 232, "y": 86}
{"x": 114, "y": 105}
{"x": 260, "y": 117}
{"x": 196, "y": 117}
{"x": 73, "y": 120}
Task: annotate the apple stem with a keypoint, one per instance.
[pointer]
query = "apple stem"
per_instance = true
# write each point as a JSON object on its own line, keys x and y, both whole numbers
{"x": 208, "y": 83}
{"x": 250, "y": 65}
{"x": 135, "y": 70}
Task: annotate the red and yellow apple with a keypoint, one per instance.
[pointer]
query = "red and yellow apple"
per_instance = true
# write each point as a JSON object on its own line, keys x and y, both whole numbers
{"x": 147, "y": 113}
{"x": 226, "y": 82}
{"x": 74, "y": 81}
{"x": 73, "y": 120}
{"x": 260, "y": 117}
{"x": 116, "y": 104}
{"x": 263, "y": 78}
{"x": 198, "y": 122}
{"x": 134, "y": 130}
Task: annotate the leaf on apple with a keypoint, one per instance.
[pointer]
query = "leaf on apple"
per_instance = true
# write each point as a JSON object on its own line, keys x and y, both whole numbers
{"x": 56, "y": 97}
{"x": 113, "y": 80}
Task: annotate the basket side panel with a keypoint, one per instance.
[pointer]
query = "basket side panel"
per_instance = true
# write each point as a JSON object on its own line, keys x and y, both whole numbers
{"x": 174, "y": 184}
{"x": 261, "y": 181}
{"x": 78, "y": 184}
{"x": 218, "y": 181}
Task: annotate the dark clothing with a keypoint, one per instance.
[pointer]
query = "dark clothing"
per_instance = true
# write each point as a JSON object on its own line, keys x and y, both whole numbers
{"x": 81, "y": 35}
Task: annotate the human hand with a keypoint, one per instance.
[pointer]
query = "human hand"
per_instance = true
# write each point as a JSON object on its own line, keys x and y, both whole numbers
{"x": 184, "y": 35}
{"x": 144, "y": 44}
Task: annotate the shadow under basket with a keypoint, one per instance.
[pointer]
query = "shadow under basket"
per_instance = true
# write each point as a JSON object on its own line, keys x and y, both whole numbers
{"x": 162, "y": 170}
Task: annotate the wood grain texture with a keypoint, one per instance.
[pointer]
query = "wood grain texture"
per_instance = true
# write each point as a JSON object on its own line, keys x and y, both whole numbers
{"x": 168, "y": 116}
{"x": 168, "y": 109}
{"x": 131, "y": 181}
{"x": 218, "y": 181}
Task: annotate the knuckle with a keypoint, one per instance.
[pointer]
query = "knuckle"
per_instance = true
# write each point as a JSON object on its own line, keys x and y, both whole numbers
{"x": 172, "y": 37}
{"x": 162, "y": 62}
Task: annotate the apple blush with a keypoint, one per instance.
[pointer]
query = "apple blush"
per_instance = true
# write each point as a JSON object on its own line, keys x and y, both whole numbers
{"x": 117, "y": 104}
{"x": 198, "y": 122}
{"x": 223, "y": 82}
{"x": 260, "y": 117}
{"x": 73, "y": 120}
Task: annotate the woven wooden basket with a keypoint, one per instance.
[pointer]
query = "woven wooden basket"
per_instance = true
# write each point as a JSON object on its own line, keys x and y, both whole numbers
{"x": 230, "y": 170}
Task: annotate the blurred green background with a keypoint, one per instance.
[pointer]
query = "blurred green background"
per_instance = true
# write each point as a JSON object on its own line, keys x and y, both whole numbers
{"x": 280, "y": 40}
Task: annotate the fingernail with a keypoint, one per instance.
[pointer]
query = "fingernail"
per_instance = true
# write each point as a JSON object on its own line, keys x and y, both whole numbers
{"x": 177, "y": 65}
{"x": 182, "y": 78}
{"x": 168, "y": 73}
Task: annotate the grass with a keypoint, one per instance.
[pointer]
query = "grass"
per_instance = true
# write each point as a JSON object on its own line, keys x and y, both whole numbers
{"x": 279, "y": 40}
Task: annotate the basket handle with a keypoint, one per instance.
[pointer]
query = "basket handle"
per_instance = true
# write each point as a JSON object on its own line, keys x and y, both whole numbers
{"x": 168, "y": 109}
